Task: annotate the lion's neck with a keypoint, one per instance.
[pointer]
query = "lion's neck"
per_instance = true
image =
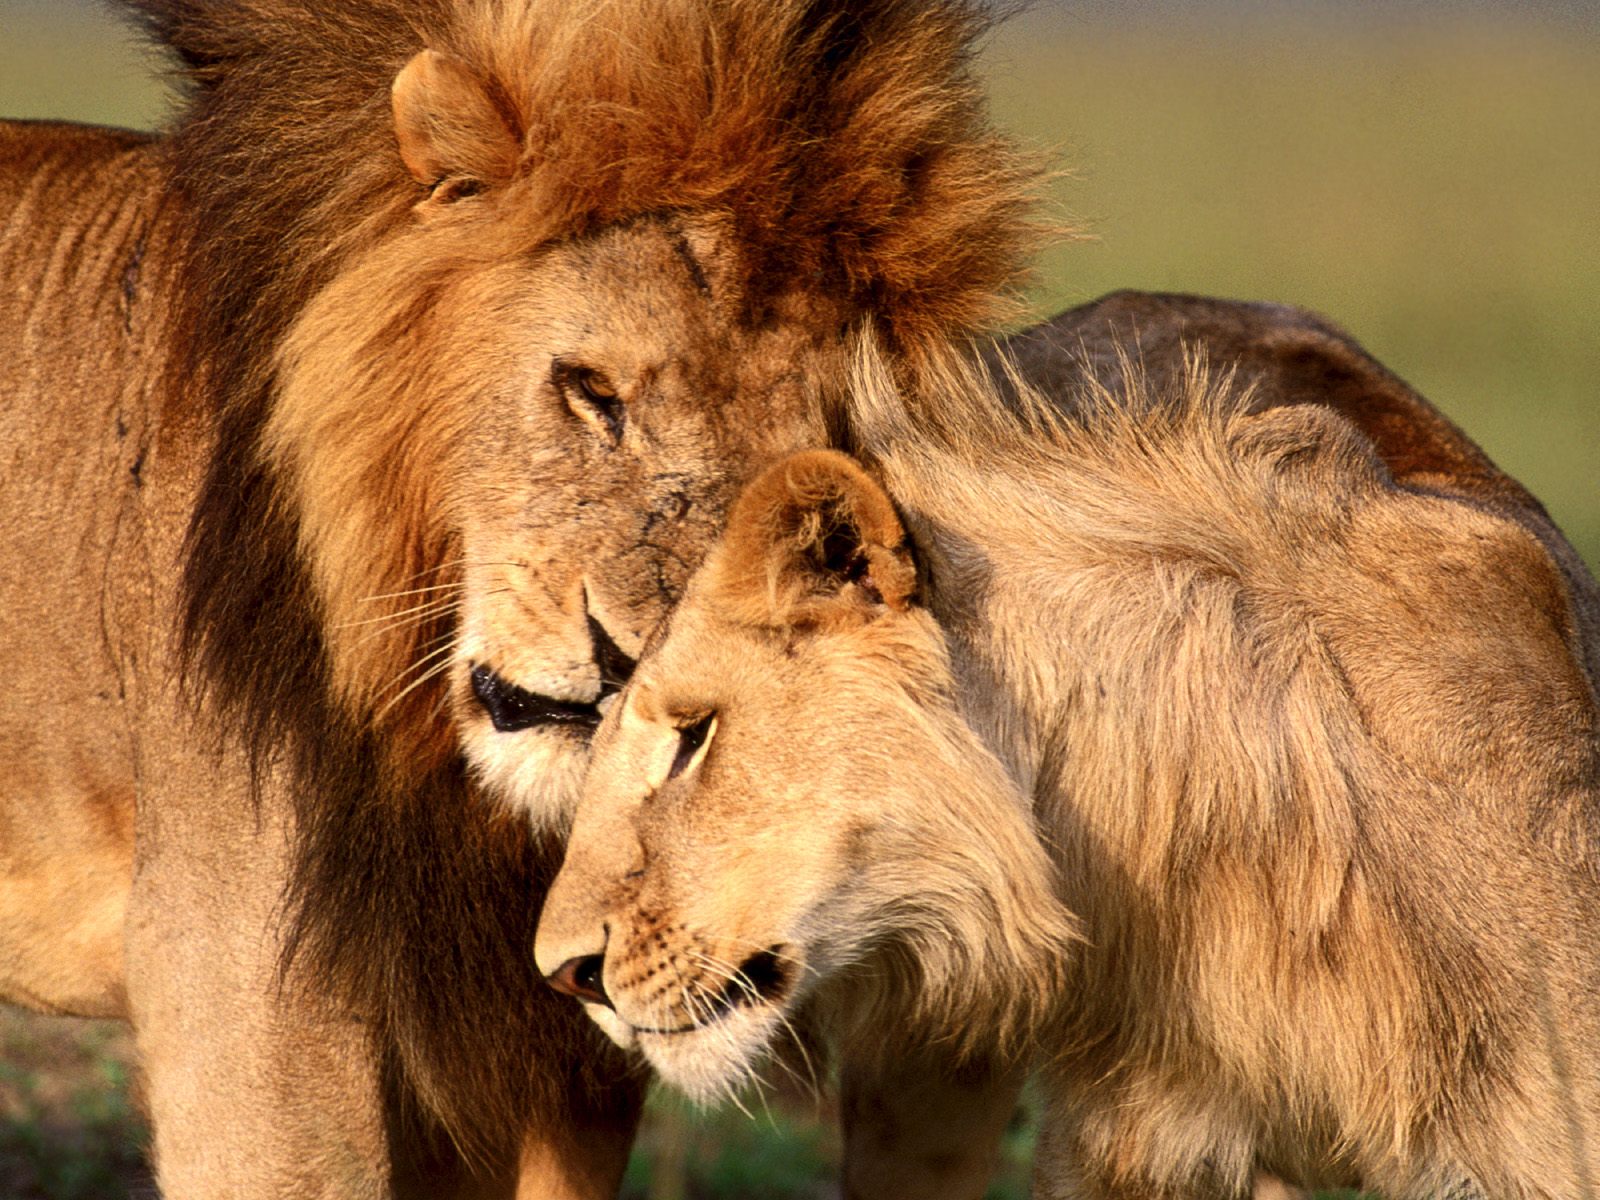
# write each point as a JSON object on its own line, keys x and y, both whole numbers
{"x": 1092, "y": 614}
{"x": 981, "y": 536}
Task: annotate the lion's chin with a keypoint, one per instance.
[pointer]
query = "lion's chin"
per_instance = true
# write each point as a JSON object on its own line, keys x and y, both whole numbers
{"x": 710, "y": 1062}
{"x": 537, "y": 771}
{"x": 713, "y": 1056}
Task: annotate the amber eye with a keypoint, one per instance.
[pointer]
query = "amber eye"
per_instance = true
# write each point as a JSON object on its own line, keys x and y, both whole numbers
{"x": 454, "y": 187}
{"x": 596, "y": 386}
{"x": 592, "y": 396}
{"x": 692, "y": 740}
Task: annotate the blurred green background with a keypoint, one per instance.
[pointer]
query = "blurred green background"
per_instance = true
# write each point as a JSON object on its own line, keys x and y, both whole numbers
{"x": 1425, "y": 173}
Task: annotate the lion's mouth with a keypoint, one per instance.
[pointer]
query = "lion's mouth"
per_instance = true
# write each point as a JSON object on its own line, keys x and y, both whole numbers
{"x": 763, "y": 978}
{"x": 512, "y": 708}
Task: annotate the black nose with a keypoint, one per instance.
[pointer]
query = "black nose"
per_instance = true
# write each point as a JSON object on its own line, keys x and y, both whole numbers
{"x": 581, "y": 977}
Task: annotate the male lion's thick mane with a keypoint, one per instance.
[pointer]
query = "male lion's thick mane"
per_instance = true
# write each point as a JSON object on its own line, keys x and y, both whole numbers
{"x": 847, "y": 146}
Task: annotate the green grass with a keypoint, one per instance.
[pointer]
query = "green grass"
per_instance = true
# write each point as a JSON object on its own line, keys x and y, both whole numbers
{"x": 1432, "y": 187}
{"x": 69, "y": 1129}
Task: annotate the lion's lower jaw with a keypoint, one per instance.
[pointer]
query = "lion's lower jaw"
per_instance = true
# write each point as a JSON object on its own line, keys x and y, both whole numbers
{"x": 706, "y": 1061}
{"x": 713, "y": 1061}
{"x": 537, "y": 772}
{"x": 613, "y": 1026}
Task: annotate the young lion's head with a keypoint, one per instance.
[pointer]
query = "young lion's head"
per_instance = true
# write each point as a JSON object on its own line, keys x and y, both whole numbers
{"x": 786, "y": 806}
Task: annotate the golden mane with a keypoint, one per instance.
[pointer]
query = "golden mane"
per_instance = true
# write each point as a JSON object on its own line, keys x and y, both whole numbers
{"x": 849, "y": 142}
{"x": 1260, "y": 768}
{"x": 847, "y": 146}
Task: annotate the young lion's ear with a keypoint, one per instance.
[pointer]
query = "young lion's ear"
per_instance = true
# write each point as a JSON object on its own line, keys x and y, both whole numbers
{"x": 815, "y": 541}
{"x": 454, "y": 136}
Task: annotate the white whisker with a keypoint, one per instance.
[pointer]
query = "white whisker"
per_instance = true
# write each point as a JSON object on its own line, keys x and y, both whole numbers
{"x": 421, "y": 591}
{"x": 399, "y": 620}
{"x": 445, "y": 566}
{"x": 443, "y": 654}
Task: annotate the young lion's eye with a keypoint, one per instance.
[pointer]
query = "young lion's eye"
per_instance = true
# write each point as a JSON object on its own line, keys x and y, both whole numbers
{"x": 692, "y": 741}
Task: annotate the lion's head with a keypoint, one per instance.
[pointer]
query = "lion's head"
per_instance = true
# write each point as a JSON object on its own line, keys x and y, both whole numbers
{"x": 500, "y": 510}
{"x": 787, "y": 806}
{"x": 491, "y": 306}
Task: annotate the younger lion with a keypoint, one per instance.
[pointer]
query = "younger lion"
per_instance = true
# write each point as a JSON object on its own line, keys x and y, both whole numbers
{"x": 1312, "y": 757}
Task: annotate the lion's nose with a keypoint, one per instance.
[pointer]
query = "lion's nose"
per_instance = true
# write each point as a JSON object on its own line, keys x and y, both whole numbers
{"x": 582, "y": 977}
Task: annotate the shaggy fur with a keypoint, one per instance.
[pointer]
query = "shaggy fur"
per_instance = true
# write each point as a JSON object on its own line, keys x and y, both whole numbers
{"x": 846, "y": 144}
{"x": 1316, "y": 757}
{"x": 845, "y": 147}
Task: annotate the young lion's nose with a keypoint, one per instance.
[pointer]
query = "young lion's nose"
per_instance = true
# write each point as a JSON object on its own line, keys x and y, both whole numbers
{"x": 581, "y": 977}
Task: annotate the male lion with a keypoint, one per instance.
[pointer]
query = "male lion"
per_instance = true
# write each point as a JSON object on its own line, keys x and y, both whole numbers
{"x": 355, "y": 433}
{"x": 1177, "y": 739}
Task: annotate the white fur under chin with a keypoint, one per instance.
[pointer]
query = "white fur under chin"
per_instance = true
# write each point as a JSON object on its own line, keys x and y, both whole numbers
{"x": 707, "y": 1064}
{"x": 613, "y": 1026}
{"x": 536, "y": 771}
{"x": 712, "y": 1062}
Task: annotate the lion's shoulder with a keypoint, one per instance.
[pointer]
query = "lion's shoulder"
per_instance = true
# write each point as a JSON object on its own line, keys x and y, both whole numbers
{"x": 1292, "y": 357}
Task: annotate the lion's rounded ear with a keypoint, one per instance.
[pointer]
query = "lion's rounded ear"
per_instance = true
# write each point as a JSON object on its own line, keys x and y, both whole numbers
{"x": 815, "y": 540}
{"x": 451, "y": 127}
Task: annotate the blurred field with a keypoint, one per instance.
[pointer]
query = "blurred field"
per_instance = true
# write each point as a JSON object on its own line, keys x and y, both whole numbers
{"x": 1431, "y": 182}
{"x": 68, "y": 1125}
{"x": 1430, "y": 186}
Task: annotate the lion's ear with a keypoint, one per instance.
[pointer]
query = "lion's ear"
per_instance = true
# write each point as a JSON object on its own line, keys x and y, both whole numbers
{"x": 450, "y": 128}
{"x": 815, "y": 541}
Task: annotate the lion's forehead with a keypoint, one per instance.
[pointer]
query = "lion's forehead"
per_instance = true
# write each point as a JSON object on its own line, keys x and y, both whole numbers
{"x": 663, "y": 274}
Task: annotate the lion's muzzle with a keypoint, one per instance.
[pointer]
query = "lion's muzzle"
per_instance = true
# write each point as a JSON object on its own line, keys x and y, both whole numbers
{"x": 512, "y": 708}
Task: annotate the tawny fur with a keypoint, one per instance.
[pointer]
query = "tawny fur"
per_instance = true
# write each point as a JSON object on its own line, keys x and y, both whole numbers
{"x": 842, "y": 147}
{"x": 1315, "y": 756}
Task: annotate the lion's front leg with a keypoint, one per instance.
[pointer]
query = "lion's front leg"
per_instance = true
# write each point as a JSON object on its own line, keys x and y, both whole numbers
{"x": 254, "y": 1089}
{"x": 924, "y": 1129}
{"x": 1098, "y": 1144}
{"x": 261, "y": 1086}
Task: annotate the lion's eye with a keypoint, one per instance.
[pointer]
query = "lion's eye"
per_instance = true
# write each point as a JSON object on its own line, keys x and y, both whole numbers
{"x": 592, "y": 396}
{"x": 693, "y": 739}
{"x": 454, "y": 187}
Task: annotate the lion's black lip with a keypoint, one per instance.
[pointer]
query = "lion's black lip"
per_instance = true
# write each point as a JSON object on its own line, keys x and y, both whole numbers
{"x": 616, "y": 666}
{"x": 763, "y": 978}
{"x": 512, "y": 708}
